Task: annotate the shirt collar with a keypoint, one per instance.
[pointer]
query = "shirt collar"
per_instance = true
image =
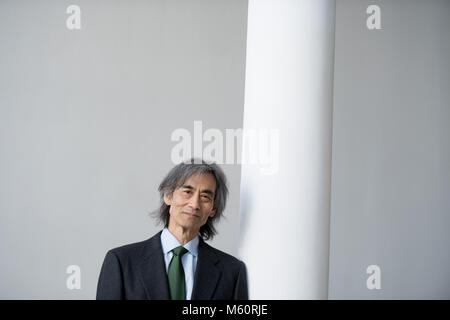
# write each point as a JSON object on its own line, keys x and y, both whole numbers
{"x": 169, "y": 242}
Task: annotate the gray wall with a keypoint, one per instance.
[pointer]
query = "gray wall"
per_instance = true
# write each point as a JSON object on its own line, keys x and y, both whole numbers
{"x": 86, "y": 118}
{"x": 391, "y": 151}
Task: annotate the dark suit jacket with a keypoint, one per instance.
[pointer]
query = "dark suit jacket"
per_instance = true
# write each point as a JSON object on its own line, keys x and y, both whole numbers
{"x": 137, "y": 271}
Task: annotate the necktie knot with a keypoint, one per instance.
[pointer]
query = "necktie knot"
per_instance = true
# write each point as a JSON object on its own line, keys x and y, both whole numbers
{"x": 179, "y": 251}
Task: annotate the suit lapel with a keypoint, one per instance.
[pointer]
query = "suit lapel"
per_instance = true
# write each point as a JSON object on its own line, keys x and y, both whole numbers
{"x": 153, "y": 271}
{"x": 207, "y": 273}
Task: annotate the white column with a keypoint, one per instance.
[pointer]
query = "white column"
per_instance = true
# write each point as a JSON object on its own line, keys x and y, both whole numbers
{"x": 284, "y": 230}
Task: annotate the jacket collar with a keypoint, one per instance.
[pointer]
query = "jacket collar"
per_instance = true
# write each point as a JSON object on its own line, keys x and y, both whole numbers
{"x": 153, "y": 271}
{"x": 207, "y": 274}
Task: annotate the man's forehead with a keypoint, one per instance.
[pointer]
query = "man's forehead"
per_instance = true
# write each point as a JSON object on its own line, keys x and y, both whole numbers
{"x": 206, "y": 179}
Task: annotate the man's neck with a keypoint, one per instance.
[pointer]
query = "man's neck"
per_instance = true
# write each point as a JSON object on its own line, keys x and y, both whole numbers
{"x": 181, "y": 234}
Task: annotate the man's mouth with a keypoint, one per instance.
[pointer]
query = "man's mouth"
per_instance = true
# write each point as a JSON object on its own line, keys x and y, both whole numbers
{"x": 191, "y": 214}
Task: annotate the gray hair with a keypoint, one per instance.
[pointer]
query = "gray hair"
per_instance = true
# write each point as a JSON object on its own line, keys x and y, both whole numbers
{"x": 178, "y": 176}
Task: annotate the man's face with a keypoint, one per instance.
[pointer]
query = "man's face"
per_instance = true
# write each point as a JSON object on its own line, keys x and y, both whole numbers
{"x": 193, "y": 202}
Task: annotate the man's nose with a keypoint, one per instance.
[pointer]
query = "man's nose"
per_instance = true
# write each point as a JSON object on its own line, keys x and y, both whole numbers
{"x": 195, "y": 202}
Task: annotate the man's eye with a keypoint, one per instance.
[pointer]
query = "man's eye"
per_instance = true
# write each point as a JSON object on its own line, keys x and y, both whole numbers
{"x": 187, "y": 191}
{"x": 206, "y": 197}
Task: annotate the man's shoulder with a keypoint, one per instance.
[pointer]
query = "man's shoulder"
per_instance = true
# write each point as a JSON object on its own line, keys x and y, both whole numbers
{"x": 135, "y": 249}
{"x": 225, "y": 258}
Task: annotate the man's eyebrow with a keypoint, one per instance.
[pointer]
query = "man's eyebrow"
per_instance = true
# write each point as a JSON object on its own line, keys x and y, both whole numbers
{"x": 208, "y": 191}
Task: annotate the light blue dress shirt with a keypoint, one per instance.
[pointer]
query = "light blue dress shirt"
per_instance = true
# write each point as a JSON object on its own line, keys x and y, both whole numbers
{"x": 189, "y": 259}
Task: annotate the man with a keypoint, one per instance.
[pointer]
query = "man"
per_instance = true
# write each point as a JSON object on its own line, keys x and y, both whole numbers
{"x": 176, "y": 263}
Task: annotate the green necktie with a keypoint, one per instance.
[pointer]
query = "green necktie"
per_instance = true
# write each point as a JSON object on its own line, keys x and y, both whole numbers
{"x": 176, "y": 275}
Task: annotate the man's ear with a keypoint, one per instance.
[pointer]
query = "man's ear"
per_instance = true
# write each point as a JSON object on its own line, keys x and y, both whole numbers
{"x": 167, "y": 199}
{"x": 213, "y": 212}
